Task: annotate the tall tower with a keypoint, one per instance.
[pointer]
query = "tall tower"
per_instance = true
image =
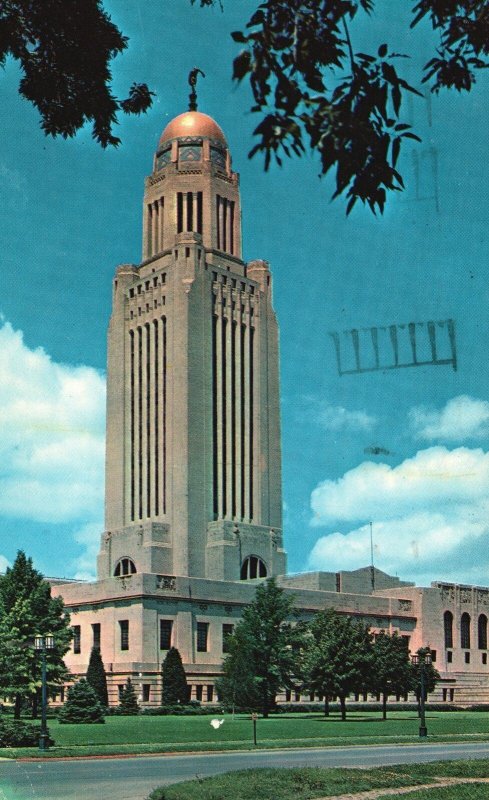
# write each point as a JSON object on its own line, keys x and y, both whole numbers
{"x": 193, "y": 483}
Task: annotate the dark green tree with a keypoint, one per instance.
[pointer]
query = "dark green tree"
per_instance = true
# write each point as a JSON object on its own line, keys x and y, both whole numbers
{"x": 264, "y": 648}
{"x": 128, "y": 701}
{"x": 338, "y": 656}
{"x": 431, "y": 676}
{"x": 174, "y": 690}
{"x": 82, "y": 705}
{"x": 96, "y": 676}
{"x": 26, "y": 610}
{"x": 391, "y": 671}
{"x": 310, "y": 87}
{"x": 65, "y": 51}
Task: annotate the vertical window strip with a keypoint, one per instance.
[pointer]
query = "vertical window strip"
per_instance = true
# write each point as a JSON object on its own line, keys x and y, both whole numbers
{"x": 148, "y": 420}
{"x": 179, "y": 212}
{"x": 140, "y": 423}
{"x": 164, "y": 387}
{"x": 199, "y": 212}
{"x": 215, "y": 475}
{"x": 132, "y": 487}
{"x": 233, "y": 419}
{"x": 224, "y": 223}
{"x": 156, "y": 420}
{"x": 190, "y": 211}
{"x": 251, "y": 426}
{"x": 231, "y": 227}
{"x": 243, "y": 423}
{"x": 218, "y": 221}
{"x": 149, "y": 229}
{"x": 224, "y": 417}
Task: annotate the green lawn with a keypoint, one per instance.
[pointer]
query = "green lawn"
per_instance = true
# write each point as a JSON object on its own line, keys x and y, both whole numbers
{"x": 157, "y": 734}
{"x": 311, "y": 783}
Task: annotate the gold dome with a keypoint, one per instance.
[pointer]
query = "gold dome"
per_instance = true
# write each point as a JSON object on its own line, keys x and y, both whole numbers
{"x": 192, "y": 123}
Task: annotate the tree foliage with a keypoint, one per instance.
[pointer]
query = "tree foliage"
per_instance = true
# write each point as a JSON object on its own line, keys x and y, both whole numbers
{"x": 96, "y": 676}
{"x": 431, "y": 676}
{"x": 338, "y": 656}
{"x": 311, "y": 87}
{"x": 392, "y": 672}
{"x": 26, "y": 610}
{"x": 64, "y": 50}
{"x": 263, "y": 651}
{"x": 128, "y": 701}
{"x": 174, "y": 690}
{"x": 82, "y": 705}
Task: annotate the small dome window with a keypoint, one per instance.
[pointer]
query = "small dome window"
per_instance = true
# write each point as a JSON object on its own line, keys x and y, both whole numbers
{"x": 253, "y": 567}
{"x": 124, "y": 568}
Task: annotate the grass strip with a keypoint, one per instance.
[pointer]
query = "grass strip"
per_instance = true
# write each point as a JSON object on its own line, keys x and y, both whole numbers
{"x": 310, "y": 783}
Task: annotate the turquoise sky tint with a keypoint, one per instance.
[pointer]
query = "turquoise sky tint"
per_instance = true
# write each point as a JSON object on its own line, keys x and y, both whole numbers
{"x": 71, "y": 212}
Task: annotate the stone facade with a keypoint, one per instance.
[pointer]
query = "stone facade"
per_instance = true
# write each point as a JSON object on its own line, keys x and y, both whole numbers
{"x": 193, "y": 464}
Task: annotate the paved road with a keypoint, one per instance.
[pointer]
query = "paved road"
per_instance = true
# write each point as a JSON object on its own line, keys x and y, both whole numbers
{"x": 134, "y": 778}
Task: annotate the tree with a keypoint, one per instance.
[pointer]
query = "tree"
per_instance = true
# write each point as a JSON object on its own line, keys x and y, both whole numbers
{"x": 26, "y": 610}
{"x": 82, "y": 705}
{"x": 128, "y": 702}
{"x": 391, "y": 673}
{"x": 175, "y": 689}
{"x": 96, "y": 676}
{"x": 338, "y": 656}
{"x": 262, "y": 657}
{"x": 430, "y": 676}
{"x": 310, "y": 86}
{"x": 64, "y": 51}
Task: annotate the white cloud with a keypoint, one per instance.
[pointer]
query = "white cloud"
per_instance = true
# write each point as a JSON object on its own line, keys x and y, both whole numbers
{"x": 83, "y": 567}
{"x": 52, "y": 419}
{"x": 430, "y": 517}
{"x": 462, "y": 418}
{"x": 338, "y": 418}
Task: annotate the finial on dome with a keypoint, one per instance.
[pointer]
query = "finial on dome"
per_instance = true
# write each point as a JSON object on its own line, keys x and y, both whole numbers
{"x": 192, "y": 79}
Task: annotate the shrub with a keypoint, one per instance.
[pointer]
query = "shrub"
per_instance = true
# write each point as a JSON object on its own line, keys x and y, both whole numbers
{"x": 128, "y": 702}
{"x": 96, "y": 676}
{"x": 82, "y": 705}
{"x": 14, "y": 733}
{"x": 175, "y": 689}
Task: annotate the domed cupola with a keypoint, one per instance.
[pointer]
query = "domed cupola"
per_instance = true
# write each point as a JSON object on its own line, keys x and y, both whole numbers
{"x": 193, "y": 138}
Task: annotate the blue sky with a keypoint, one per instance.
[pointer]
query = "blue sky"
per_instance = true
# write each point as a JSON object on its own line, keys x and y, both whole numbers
{"x": 71, "y": 212}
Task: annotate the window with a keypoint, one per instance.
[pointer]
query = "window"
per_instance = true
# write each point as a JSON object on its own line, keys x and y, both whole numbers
{"x": 449, "y": 657}
{"x": 124, "y": 630}
{"x": 166, "y": 626}
{"x": 227, "y": 631}
{"x": 444, "y": 693}
{"x": 484, "y": 658}
{"x": 465, "y": 631}
{"x": 433, "y": 656}
{"x": 76, "y": 638}
{"x": 253, "y": 567}
{"x": 120, "y": 689}
{"x": 467, "y": 658}
{"x": 297, "y": 697}
{"x": 210, "y": 693}
{"x": 198, "y": 692}
{"x": 448, "y": 628}
{"x": 146, "y": 691}
{"x": 202, "y": 637}
{"x": 482, "y": 632}
{"x": 96, "y": 634}
{"x": 124, "y": 568}
{"x": 288, "y": 695}
{"x": 452, "y": 694}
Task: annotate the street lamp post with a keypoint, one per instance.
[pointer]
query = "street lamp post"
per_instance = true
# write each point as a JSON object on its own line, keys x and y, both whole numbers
{"x": 43, "y": 643}
{"x": 421, "y": 659}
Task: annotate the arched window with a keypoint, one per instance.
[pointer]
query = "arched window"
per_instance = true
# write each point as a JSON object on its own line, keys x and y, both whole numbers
{"x": 253, "y": 567}
{"x": 124, "y": 568}
{"x": 482, "y": 632}
{"x": 465, "y": 631}
{"x": 448, "y": 629}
